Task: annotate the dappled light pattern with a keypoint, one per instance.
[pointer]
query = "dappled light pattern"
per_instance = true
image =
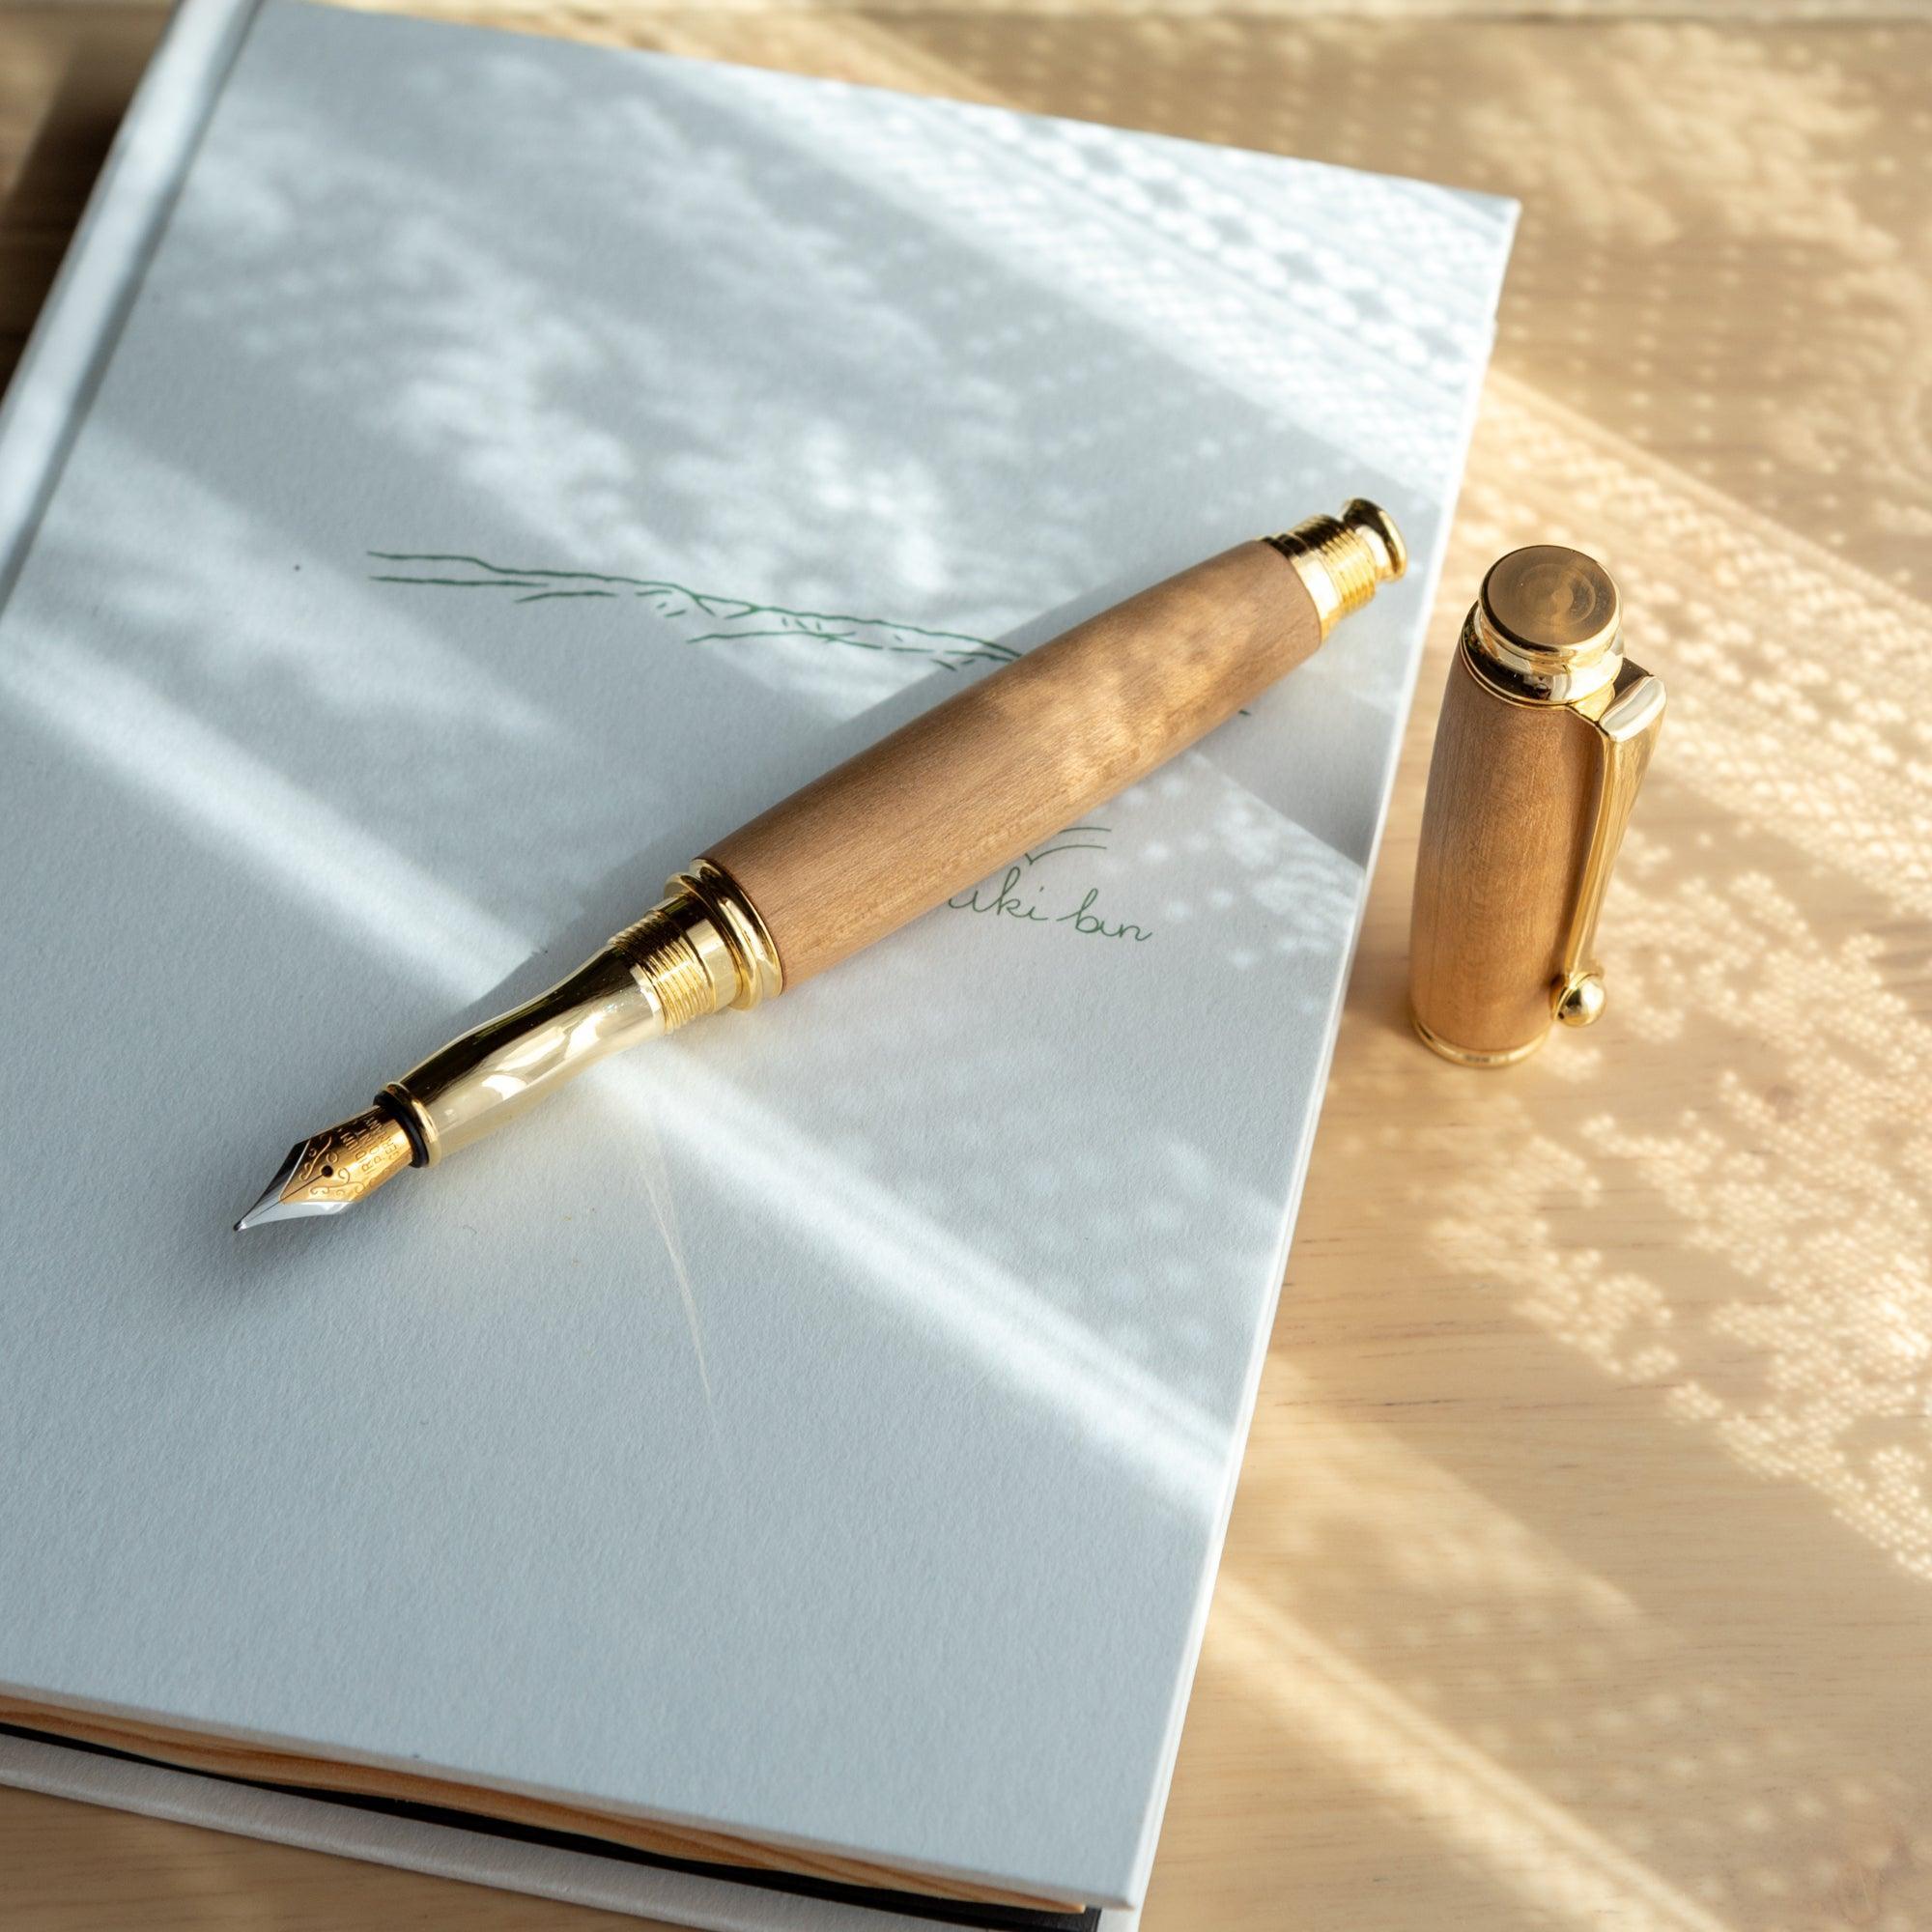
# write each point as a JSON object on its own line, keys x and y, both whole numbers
{"x": 1424, "y": 1687}
{"x": 1806, "y": 1192}
{"x": 1794, "y": 1175}
{"x": 1579, "y": 1575}
{"x": 1797, "y": 749}
{"x": 1688, "y": 1256}
{"x": 943, "y": 1274}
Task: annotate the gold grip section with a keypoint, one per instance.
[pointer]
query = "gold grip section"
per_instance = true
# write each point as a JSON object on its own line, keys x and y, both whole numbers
{"x": 490, "y": 1075}
{"x": 701, "y": 949}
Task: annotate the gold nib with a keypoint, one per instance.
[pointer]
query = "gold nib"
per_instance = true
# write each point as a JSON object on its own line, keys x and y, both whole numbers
{"x": 333, "y": 1169}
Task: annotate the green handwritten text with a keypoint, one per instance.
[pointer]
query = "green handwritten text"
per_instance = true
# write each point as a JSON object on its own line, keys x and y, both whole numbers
{"x": 1018, "y": 895}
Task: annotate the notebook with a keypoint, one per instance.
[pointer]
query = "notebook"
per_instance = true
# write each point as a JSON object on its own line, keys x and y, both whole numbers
{"x": 460, "y": 476}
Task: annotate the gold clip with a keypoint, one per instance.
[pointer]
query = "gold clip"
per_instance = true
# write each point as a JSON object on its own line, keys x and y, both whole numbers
{"x": 1626, "y": 734}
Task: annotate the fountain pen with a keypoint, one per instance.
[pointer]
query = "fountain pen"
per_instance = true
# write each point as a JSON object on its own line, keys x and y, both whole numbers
{"x": 961, "y": 791}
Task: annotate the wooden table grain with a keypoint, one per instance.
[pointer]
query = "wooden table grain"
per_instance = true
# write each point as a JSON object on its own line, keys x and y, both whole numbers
{"x": 1581, "y": 1570}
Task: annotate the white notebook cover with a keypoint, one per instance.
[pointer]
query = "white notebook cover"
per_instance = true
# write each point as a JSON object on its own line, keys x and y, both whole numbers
{"x": 460, "y": 475}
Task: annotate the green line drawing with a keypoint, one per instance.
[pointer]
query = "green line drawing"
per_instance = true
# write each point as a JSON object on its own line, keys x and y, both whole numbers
{"x": 731, "y": 619}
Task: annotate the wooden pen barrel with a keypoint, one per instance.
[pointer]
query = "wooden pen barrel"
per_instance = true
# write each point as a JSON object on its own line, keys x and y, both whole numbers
{"x": 968, "y": 787}
{"x": 1503, "y": 828}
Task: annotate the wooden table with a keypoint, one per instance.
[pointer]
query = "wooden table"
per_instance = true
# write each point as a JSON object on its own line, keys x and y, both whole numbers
{"x": 1581, "y": 1572}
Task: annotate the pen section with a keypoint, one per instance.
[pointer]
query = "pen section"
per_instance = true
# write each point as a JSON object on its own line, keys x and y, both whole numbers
{"x": 969, "y": 784}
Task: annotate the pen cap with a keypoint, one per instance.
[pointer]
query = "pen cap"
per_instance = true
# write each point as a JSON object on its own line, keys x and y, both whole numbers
{"x": 1546, "y": 733}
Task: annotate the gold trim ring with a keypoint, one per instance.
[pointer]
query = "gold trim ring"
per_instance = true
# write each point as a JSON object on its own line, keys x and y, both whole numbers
{"x": 754, "y": 955}
{"x": 1470, "y": 1056}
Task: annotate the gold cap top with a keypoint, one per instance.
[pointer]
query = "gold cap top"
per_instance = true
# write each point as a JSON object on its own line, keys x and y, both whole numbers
{"x": 1546, "y": 598}
{"x": 1345, "y": 560}
{"x": 1550, "y": 618}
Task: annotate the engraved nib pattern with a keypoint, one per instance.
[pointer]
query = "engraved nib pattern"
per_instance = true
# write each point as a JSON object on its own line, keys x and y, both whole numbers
{"x": 333, "y": 1169}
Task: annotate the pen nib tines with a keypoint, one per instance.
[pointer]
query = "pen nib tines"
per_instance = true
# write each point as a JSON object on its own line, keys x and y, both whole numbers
{"x": 332, "y": 1170}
